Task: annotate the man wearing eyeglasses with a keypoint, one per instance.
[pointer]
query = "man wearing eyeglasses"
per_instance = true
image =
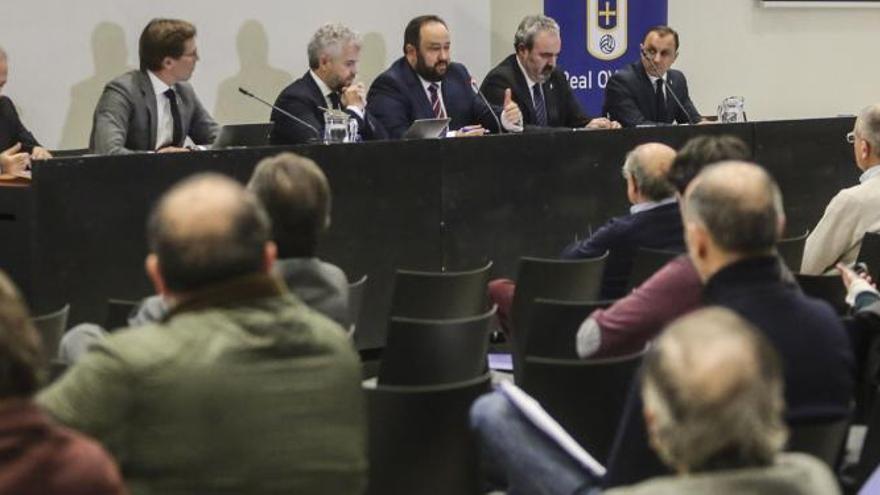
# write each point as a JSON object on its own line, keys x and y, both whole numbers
{"x": 854, "y": 210}
{"x": 645, "y": 92}
{"x": 154, "y": 108}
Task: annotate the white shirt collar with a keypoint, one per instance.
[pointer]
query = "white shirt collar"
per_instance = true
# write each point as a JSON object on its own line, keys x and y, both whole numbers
{"x": 159, "y": 86}
{"x": 529, "y": 81}
{"x": 655, "y": 78}
{"x": 869, "y": 174}
{"x": 325, "y": 90}
{"x": 650, "y": 205}
{"x": 426, "y": 83}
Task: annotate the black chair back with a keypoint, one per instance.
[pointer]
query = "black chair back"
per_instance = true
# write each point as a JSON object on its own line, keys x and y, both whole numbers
{"x": 118, "y": 313}
{"x": 435, "y": 352}
{"x": 554, "y": 327}
{"x": 439, "y": 295}
{"x": 791, "y": 250}
{"x": 828, "y": 288}
{"x": 586, "y": 397}
{"x": 565, "y": 280}
{"x": 51, "y": 327}
{"x": 355, "y": 301}
{"x": 646, "y": 262}
{"x": 869, "y": 253}
{"x": 420, "y": 442}
{"x": 823, "y": 440}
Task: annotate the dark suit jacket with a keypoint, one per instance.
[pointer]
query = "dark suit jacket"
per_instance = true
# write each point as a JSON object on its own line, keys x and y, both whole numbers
{"x": 397, "y": 99}
{"x": 810, "y": 338}
{"x": 125, "y": 117}
{"x": 563, "y": 109}
{"x": 657, "y": 228}
{"x": 629, "y": 98}
{"x": 302, "y": 98}
{"x": 12, "y": 130}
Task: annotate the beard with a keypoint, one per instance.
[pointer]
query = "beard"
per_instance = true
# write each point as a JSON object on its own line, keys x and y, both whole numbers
{"x": 433, "y": 73}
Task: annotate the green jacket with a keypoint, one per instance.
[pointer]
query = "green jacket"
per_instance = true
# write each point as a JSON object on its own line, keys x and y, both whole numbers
{"x": 242, "y": 389}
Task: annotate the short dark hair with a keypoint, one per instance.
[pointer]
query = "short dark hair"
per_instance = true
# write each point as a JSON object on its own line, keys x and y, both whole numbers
{"x": 663, "y": 30}
{"x": 413, "y": 33}
{"x": 702, "y": 151}
{"x": 192, "y": 258}
{"x": 741, "y": 216}
{"x": 295, "y": 193}
{"x": 22, "y": 362}
{"x": 163, "y": 38}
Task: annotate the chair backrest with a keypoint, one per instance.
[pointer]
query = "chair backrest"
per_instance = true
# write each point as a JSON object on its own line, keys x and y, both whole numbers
{"x": 356, "y": 291}
{"x": 869, "y": 253}
{"x": 565, "y": 280}
{"x": 586, "y": 397}
{"x": 439, "y": 295}
{"x": 118, "y": 313}
{"x": 51, "y": 327}
{"x": 554, "y": 327}
{"x": 646, "y": 262}
{"x": 435, "y": 352}
{"x": 823, "y": 440}
{"x": 791, "y": 250}
{"x": 828, "y": 288}
{"x": 420, "y": 442}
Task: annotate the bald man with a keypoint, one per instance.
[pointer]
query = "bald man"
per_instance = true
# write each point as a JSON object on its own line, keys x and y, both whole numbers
{"x": 240, "y": 387}
{"x": 733, "y": 217}
{"x": 713, "y": 409}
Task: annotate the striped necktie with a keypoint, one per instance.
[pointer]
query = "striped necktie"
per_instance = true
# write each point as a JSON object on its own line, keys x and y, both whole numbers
{"x": 436, "y": 106}
{"x": 540, "y": 106}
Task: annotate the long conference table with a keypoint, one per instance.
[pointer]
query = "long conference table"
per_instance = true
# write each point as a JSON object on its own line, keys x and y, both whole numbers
{"x": 77, "y": 234}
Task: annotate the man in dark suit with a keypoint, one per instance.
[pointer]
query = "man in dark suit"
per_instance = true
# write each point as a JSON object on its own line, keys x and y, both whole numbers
{"x": 17, "y": 145}
{"x": 537, "y": 85}
{"x": 425, "y": 84}
{"x": 154, "y": 108}
{"x": 638, "y": 94}
{"x": 334, "y": 51}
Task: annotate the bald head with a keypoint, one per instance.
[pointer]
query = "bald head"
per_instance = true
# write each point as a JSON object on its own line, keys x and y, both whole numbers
{"x": 205, "y": 230}
{"x": 739, "y": 205}
{"x": 713, "y": 393}
{"x": 648, "y": 166}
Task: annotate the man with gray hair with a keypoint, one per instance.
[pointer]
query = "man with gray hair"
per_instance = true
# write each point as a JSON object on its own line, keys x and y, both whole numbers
{"x": 712, "y": 388}
{"x": 329, "y": 85}
{"x": 532, "y": 79}
{"x": 240, "y": 388}
{"x": 17, "y": 145}
{"x": 854, "y": 211}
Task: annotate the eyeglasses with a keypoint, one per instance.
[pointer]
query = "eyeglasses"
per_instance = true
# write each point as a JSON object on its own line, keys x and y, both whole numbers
{"x": 851, "y": 137}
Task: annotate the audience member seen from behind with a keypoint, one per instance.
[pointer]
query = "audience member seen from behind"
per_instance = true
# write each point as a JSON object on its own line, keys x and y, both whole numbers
{"x": 673, "y": 290}
{"x": 37, "y": 456}
{"x": 17, "y": 145}
{"x": 712, "y": 389}
{"x": 531, "y": 79}
{"x": 425, "y": 83}
{"x": 854, "y": 210}
{"x": 241, "y": 387}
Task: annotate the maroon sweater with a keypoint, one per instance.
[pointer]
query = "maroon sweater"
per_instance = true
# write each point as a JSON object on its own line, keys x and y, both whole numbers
{"x": 38, "y": 457}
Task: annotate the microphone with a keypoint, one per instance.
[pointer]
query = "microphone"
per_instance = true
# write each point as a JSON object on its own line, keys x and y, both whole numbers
{"x": 281, "y": 111}
{"x": 668, "y": 85}
{"x": 486, "y": 102}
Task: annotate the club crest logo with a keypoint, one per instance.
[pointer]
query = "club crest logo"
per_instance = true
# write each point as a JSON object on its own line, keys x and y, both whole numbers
{"x": 606, "y": 28}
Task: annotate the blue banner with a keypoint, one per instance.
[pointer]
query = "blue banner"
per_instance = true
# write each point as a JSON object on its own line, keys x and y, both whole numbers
{"x": 599, "y": 37}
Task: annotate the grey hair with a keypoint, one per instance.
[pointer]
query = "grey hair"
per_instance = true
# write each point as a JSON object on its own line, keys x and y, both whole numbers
{"x": 529, "y": 28}
{"x": 652, "y": 186}
{"x": 330, "y": 38}
{"x": 739, "y": 204}
{"x": 868, "y": 127}
{"x": 714, "y": 385}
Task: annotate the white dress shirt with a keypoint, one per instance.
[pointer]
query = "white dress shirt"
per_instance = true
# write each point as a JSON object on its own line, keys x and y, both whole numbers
{"x": 164, "y": 120}
{"x": 326, "y": 91}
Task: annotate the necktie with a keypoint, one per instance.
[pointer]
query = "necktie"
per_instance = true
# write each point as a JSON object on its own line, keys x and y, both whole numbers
{"x": 335, "y": 101}
{"x": 177, "y": 139}
{"x": 540, "y": 107}
{"x": 435, "y": 101}
{"x": 660, "y": 102}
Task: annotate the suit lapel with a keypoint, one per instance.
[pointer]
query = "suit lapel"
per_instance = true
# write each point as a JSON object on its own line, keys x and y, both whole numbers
{"x": 422, "y": 107}
{"x": 149, "y": 96}
{"x": 521, "y": 91}
{"x": 317, "y": 98}
{"x": 646, "y": 95}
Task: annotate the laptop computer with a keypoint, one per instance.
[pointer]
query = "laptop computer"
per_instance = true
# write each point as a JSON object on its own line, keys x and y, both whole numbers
{"x": 427, "y": 129}
{"x": 240, "y": 135}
